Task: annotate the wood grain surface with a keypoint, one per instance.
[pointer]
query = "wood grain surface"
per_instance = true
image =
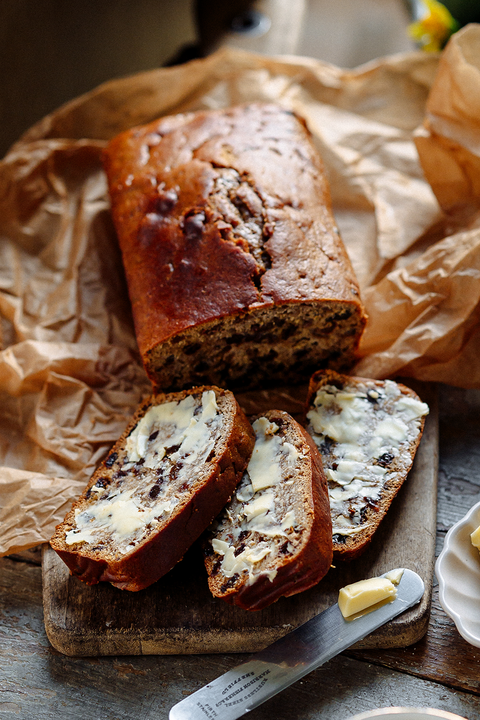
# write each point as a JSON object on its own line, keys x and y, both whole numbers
{"x": 178, "y": 615}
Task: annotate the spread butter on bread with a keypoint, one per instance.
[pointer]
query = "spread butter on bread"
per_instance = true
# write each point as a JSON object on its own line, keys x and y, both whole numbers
{"x": 367, "y": 432}
{"x": 163, "y": 482}
{"x": 274, "y": 537}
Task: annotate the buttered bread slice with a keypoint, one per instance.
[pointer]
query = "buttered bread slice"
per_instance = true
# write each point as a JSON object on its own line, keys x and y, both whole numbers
{"x": 163, "y": 482}
{"x": 274, "y": 537}
{"x": 367, "y": 432}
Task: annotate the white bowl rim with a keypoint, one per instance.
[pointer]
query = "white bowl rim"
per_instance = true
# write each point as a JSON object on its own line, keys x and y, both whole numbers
{"x": 422, "y": 712}
{"x": 442, "y": 584}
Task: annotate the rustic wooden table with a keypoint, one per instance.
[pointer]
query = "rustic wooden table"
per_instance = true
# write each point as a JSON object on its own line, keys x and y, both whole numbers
{"x": 440, "y": 671}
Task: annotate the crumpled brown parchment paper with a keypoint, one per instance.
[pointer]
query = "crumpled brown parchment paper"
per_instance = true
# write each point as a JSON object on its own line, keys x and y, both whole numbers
{"x": 70, "y": 375}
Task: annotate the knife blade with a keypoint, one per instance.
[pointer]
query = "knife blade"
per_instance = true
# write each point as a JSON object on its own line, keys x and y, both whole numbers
{"x": 292, "y": 657}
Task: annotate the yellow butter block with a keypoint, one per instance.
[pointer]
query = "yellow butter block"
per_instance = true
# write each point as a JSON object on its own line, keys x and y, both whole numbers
{"x": 475, "y": 537}
{"x": 363, "y": 594}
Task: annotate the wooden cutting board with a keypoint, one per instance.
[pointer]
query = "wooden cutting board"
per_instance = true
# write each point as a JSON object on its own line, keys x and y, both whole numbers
{"x": 178, "y": 615}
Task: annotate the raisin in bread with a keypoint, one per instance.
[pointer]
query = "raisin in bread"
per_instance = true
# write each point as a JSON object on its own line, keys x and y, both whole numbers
{"x": 236, "y": 272}
{"x": 274, "y": 537}
{"x": 162, "y": 484}
{"x": 367, "y": 432}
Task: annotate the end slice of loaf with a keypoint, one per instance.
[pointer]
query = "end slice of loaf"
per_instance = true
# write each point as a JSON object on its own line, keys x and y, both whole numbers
{"x": 367, "y": 432}
{"x": 274, "y": 537}
{"x": 168, "y": 476}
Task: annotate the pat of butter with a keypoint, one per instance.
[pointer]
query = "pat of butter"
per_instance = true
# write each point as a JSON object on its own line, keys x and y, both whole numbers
{"x": 475, "y": 537}
{"x": 395, "y": 575}
{"x": 361, "y": 595}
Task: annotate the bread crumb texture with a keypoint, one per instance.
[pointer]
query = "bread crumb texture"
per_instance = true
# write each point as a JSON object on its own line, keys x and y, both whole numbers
{"x": 367, "y": 432}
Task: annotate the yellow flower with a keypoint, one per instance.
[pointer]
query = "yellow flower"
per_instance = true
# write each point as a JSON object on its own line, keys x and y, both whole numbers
{"x": 434, "y": 28}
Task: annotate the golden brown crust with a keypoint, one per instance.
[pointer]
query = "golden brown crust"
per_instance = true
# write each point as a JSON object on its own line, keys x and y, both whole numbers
{"x": 312, "y": 558}
{"x": 224, "y": 214}
{"x": 158, "y": 554}
{"x": 350, "y": 547}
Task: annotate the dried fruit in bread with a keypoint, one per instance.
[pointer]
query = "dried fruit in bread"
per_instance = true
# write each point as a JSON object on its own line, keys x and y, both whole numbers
{"x": 161, "y": 485}
{"x": 367, "y": 432}
{"x": 274, "y": 537}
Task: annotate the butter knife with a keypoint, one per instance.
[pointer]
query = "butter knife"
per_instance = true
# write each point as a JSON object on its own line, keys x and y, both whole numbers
{"x": 287, "y": 660}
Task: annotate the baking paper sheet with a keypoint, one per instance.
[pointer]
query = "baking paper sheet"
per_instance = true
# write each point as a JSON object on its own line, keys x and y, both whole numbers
{"x": 70, "y": 375}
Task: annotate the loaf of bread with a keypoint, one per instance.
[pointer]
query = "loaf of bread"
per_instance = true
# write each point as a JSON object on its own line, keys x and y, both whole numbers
{"x": 274, "y": 537}
{"x": 236, "y": 272}
{"x": 367, "y": 432}
{"x": 163, "y": 482}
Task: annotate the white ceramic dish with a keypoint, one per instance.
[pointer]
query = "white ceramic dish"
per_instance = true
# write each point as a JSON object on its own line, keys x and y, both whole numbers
{"x": 392, "y": 713}
{"x": 458, "y": 573}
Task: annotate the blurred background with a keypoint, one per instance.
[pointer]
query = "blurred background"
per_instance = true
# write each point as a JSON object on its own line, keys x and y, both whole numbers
{"x": 54, "y": 50}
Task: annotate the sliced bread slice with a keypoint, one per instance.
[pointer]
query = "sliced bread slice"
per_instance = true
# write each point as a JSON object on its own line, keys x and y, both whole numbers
{"x": 274, "y": 537}
{"x": 367, "y": 432}
{"x": 168, "y": 476}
